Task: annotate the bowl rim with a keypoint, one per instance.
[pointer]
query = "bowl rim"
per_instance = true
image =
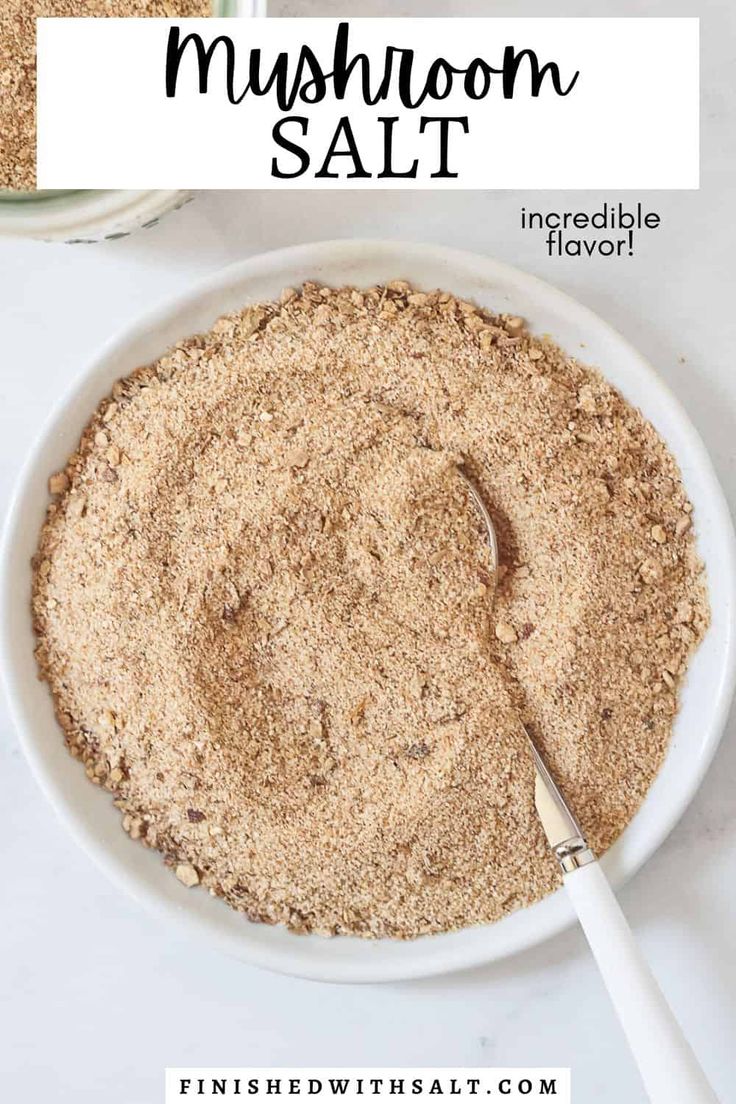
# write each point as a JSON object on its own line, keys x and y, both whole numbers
{"x": 445, "y": 952}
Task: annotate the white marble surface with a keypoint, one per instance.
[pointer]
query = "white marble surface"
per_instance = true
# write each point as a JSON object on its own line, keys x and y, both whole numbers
{"x": 96, "y": 996}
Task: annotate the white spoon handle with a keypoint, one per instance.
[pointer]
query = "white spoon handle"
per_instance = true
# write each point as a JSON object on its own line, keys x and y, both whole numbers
{"x": 668, "y": 1067}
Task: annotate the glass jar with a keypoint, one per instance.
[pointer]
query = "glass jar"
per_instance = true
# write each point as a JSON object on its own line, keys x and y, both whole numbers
{"x": 89, "y": 216}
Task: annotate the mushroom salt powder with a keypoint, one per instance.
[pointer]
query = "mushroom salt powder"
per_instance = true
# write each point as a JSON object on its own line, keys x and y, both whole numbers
{"x": 18, "y": 68}
{"x": 266, "y": 614}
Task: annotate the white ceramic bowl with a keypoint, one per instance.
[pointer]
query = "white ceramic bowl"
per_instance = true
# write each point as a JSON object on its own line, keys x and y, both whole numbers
{"x": 88, "y": 811}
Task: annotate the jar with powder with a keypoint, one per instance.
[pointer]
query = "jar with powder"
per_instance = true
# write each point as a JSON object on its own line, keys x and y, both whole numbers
{"x": 89, "y": 216}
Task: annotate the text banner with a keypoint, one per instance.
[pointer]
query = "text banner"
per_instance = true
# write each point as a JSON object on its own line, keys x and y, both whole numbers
{"x": 358, "y": 1086}
{"x": 368, "y": 103}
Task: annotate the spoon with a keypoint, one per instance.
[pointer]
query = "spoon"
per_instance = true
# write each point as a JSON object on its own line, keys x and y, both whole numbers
{"x": 666, "y": 1062}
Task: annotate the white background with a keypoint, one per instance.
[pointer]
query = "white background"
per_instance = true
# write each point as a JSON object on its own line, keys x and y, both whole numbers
{"x": 630, "y": 121}
{"x": 98, "y": 997}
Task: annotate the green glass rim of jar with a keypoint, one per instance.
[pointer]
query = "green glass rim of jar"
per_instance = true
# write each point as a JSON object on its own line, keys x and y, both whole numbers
{"x": 35, "y": 197}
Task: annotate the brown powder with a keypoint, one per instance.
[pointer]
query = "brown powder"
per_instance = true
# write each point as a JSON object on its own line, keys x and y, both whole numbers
{"x": 18, "y": 69}
{"x": 264, "y": 608}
